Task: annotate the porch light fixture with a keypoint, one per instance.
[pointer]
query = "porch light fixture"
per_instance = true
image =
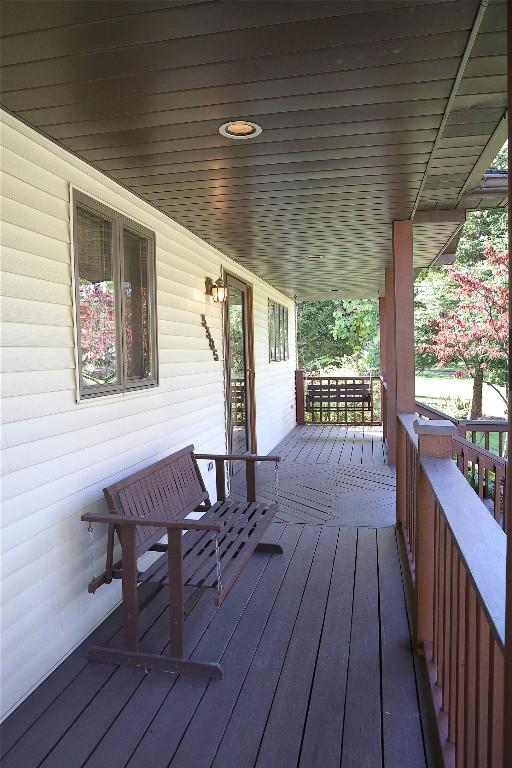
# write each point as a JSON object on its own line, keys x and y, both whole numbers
{"x": 217, "y": 290}
{"x": 240, "y": 129}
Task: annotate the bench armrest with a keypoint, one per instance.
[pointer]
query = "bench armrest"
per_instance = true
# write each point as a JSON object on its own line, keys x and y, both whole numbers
{"x": 236, "y": 457}
{"x": 250, "y": 471}
{"x": 184, "y": 525}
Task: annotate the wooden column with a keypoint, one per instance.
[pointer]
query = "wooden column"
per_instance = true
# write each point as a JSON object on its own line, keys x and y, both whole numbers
{"x": 403, "y": 274}
{"x": 507, "y": 730}
{"x": 390, "y": 367}
{"x": 434, "y": 440}
{"x": 382, "y": 330}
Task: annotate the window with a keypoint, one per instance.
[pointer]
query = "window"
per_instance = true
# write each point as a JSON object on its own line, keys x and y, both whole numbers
{"x": 115, "y": 299}
{"x": 277, "y": 331}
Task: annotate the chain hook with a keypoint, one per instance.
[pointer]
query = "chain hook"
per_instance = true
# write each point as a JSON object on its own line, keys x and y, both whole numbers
{"x": 90, "y": 531}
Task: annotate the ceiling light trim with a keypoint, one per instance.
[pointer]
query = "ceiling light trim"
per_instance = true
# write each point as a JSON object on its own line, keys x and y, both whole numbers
{"x": 224, "y": 129}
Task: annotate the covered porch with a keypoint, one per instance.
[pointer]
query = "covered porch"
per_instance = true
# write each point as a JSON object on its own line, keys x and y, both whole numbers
{"x": 382, "y": 635}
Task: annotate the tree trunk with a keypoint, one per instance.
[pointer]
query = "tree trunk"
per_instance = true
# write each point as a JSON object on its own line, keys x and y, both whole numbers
{"x": 476, "y": 403}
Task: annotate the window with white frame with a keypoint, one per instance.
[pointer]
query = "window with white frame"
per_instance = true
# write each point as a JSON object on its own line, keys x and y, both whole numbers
{"x": 115, "y": 300}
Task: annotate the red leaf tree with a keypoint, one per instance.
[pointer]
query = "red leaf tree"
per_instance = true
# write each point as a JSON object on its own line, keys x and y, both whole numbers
{"x": 473, "y": 333}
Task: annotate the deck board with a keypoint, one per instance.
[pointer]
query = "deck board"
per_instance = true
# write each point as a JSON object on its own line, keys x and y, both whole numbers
{"x": 328, "y": 475}
{"x": 318, "y": 670}
{"x": 362, "y": 737}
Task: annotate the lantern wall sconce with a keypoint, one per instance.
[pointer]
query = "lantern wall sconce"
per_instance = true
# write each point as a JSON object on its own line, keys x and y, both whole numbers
{"x": 217, "y": 290}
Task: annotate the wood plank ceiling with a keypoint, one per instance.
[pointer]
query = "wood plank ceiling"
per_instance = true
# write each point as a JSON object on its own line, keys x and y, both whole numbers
{"x": 370, "y": 111}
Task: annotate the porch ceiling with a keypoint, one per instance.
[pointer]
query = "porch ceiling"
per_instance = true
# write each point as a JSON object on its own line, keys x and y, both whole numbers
{"x": 370, "y": 111}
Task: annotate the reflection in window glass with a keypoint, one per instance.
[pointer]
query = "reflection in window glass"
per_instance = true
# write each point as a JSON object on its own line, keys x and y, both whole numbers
{"x": 136, "y": 306}
{"x": 98, "y": 341}
{"x": 277, "y": 331}
{"x": 272, "y": 330}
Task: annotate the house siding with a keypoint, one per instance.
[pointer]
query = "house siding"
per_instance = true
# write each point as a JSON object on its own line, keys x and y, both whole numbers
{"x": 58, "y": 454}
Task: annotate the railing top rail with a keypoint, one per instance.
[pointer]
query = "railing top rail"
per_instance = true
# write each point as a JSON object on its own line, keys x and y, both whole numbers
{"x": 340, "y": 378}
{"x": 479, "y": 539}
{"x": 484, "y": 425}
{"x": 477, "y": 449}
{"x": 471, "y": 425}
{"x": 428, "y": 410}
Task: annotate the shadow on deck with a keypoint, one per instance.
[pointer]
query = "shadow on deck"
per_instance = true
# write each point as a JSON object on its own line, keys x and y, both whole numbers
{"x": 329, "y": 475}
{"x": 315, "y": 646}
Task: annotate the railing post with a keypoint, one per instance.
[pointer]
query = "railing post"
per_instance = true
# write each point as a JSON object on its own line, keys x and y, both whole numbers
{"x": 435, "y": 441}
{"x": 299, "y": 396}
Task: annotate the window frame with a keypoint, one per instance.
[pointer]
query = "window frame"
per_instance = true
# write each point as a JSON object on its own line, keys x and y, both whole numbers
{"x": 278, "y": 332}
{"x": 119, "y": 222}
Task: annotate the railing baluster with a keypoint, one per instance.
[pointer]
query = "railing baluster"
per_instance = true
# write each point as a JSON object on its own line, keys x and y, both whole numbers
{"x": 453, "y": 640}
{"x": 482, "y": 701}
{"x": 459, "y": 711}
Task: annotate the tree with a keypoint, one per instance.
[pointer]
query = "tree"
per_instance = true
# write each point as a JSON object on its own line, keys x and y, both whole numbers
{"x": 356, "y": 326}
{"x": 471, "y": 330}
{"x": 483, "y": 228}
{"x": 316, "y": 344}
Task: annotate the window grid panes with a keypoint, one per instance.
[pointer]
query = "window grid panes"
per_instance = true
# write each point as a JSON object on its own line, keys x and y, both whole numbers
{"x": 116, "y": 307}
{"x": 277, "y": 332}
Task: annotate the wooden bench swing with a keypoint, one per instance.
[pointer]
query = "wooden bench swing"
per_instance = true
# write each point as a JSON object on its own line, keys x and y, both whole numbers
{"x": 210, "y": 555}
{"x": 333, "y": 392}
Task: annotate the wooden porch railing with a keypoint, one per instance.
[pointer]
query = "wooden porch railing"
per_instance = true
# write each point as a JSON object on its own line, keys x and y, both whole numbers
{"x": 484, "y": 469}
{"x": 457, "y": 554}
{"x": 344, "y": 400}
{"x": 477, "y": 431}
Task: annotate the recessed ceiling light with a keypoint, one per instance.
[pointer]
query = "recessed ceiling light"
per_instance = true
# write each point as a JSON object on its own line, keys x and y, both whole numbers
{"x": 240, "y": 129}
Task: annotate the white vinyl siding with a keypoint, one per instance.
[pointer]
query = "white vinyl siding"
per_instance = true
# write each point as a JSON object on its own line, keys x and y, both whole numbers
{"x": 57, "y": 455}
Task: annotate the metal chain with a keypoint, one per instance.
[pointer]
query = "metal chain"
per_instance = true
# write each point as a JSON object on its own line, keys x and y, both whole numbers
{"x": 276, "y": 482}
{"x": 91, "y": 551}
{"x": 218, "y": 564}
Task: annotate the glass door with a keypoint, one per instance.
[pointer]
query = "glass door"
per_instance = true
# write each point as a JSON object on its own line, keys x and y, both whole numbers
{"x": 239, "y": 383}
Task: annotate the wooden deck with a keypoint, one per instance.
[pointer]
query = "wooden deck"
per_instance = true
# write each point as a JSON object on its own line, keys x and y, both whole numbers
{"x": 329, "y": 475}
{"x": 333, "y": 445}
{"x": 316, "y": 652}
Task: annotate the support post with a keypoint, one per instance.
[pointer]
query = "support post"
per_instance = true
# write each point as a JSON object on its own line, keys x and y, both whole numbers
{"x": 299, "y": 396}
{"x": 382, "y": 330}
{"x": 403, "y": 277}
{"x": 390, "y": 366}
{"x": 434, "y": 440}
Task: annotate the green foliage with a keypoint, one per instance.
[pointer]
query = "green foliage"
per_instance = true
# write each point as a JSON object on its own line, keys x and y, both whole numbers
{"x": 483, "y": 228}
{"x": 317, "y": 347}
{"x": 338, "y": 333}
{"x": 500, "y": 162}
{"x": 356, "y": 325}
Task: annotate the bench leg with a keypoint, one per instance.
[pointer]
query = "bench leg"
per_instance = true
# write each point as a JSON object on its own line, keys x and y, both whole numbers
{"x": 272, "y": 549}
{"x": 129, "y": 586}
{"x": 176, "y": 592}
{"x": 156, "y": 661}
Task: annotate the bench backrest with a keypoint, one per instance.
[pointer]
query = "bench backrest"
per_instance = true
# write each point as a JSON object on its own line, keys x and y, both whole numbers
{"x": 167, "y": 490}
{"x": 338, "y": 391}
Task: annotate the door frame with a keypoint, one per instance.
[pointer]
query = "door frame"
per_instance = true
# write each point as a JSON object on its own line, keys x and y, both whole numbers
{"x": 250, "y": 372}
